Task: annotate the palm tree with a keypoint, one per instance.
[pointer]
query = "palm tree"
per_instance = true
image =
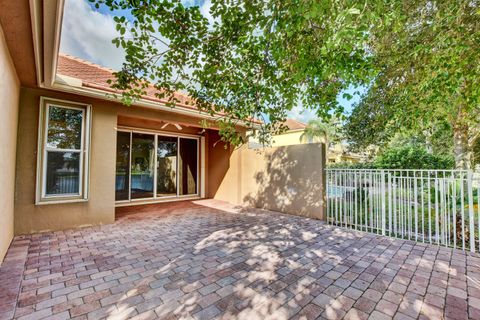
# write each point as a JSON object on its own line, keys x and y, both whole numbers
{"x": 317, "y": 129}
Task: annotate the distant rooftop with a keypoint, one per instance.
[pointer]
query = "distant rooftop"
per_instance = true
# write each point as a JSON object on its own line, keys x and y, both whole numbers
{"x": 293, "y": 124}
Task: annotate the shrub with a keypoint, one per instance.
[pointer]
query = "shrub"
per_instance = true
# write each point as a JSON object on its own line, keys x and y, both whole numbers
{"x": 348, "y": 165}
{"x": 410, "y": 157}
{"x": 406, "y": 157}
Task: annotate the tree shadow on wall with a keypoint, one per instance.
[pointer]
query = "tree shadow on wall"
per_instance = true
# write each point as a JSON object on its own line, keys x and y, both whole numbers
{"x": 291, "y": 181}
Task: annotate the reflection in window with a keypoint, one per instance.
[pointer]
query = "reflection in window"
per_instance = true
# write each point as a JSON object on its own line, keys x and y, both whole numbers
{"x": 122, "y": 176}
{"x": 63, "y": 173}
{"x": 166, "y": 166}
{"x": 142, "y": 166}
{"x": 64, "y": 128}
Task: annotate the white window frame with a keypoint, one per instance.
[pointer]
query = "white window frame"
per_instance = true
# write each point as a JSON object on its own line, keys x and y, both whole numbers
{"x": 41, "y": 196}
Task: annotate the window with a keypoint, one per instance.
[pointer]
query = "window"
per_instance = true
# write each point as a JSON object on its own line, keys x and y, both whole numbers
{"x": 62, "y": 160}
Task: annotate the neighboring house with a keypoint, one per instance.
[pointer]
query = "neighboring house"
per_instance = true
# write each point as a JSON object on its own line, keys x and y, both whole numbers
{"x": 337, "y": 152}
{"x": 293, "y": 135}
{"x": 71, "y": 153}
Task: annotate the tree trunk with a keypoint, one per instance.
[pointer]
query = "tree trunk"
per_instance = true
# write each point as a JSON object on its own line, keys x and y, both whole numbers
{"x": 463, "y": 154}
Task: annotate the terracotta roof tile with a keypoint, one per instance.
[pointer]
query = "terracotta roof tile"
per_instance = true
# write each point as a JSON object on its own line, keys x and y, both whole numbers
{"x": 293, "y": 124}
{"x": 95, "y": 76}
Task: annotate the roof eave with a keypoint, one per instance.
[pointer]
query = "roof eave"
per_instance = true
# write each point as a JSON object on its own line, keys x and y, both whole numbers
{"x": 46, "y": 21}
{"x": 146, "y": 103}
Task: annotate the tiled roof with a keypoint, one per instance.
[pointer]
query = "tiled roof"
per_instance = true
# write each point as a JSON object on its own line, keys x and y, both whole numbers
{"x": 95, "y": 76}
{"x": 293, "y": 124}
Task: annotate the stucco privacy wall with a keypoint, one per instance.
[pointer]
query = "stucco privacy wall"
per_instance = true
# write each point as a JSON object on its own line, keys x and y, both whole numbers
{"x": 287, "y": 179}
{"x": 9, "y": 95}
{"x": 100, "y": 208}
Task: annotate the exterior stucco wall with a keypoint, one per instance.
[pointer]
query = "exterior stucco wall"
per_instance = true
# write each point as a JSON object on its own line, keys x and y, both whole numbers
{"x": 9, "y": 93}
{"x": 287, "y": 139}
{"x": 100, "y": 207}
{"x": 217, "y": 162}
{"x": 106, "y": 116}
{"x": 288, "y": 179}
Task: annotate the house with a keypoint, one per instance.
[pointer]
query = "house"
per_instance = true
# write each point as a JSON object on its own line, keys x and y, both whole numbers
{"x": 71, "y": 153}
{"x": 337, "y": 152}
{"x": 293, "y": 135}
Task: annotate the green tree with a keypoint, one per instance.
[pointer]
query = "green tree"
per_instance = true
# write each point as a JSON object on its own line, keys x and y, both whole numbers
{"x": 428, "y": 72}
{"x": 403, "y": 157}
{"x": 256, "y": 59}
{"x": 260, "y": 58}
{"x": 361, "y": 133}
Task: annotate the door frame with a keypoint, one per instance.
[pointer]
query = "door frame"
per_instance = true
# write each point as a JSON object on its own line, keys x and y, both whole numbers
{"x": 200, "y": 176}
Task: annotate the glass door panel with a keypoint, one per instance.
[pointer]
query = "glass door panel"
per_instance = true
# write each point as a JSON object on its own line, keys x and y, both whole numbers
{"x": 188, "y": 166}
{"x": 122, "y": 177}
{"x": 166, "y": 166}
{"x": 142, "y": 166}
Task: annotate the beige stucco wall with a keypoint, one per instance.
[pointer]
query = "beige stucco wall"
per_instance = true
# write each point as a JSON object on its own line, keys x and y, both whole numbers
{"x": 9, "y": 93}
{"x": 287, "y": 179}
{"x": 337, "y": 153}
{"x": 100, "y": 208}
{"x": 288, "y": 138}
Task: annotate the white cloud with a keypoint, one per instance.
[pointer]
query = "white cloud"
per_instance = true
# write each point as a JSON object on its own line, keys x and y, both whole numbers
{"x": 204, "y": 5}
{"x": 88, "y": 34}
{"x": 205, "y": 11}
{"x": 301, "y": 114}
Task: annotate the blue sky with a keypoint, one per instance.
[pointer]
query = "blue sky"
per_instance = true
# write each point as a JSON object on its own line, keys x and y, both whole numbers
{"x": 87, "y": 34}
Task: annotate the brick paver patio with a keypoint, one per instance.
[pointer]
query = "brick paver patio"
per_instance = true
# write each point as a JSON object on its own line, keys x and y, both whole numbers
{"x": 206, "y": 260}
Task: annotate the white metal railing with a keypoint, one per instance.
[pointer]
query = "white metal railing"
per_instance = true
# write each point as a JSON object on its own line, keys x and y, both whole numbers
{"x": 433, "y": 206}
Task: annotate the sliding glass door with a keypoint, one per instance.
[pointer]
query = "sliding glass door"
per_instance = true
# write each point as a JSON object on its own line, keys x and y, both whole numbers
{"x": 155, "y": 166}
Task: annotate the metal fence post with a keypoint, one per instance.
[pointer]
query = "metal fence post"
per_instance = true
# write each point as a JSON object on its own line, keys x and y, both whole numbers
{"x": 390, "y": 203}
{"x": 384, "y": 209}
{"x": 470, "y": 211}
